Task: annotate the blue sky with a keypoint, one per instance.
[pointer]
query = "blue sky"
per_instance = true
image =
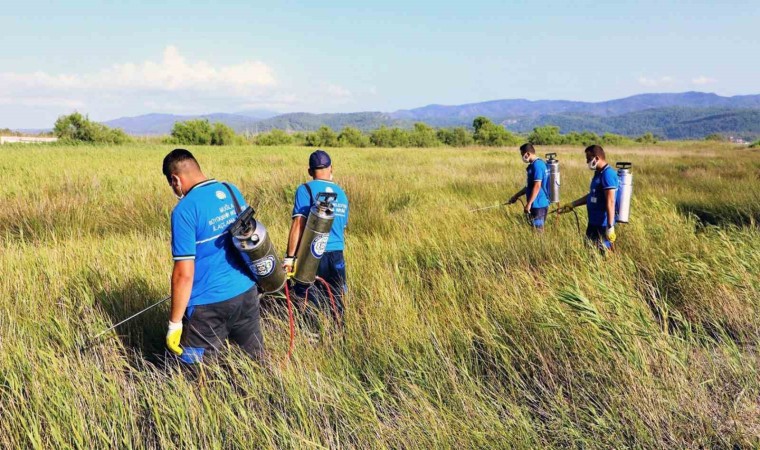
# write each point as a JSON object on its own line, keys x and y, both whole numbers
{"x": 129, "y": 57}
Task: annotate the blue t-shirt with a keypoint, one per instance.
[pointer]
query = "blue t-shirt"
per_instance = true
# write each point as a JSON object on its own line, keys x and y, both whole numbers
{"x": 596, "y": 204}
{"x": 304, "y": 202}
{"x": 537, "y": 171}
{"x": 200, "y": 223}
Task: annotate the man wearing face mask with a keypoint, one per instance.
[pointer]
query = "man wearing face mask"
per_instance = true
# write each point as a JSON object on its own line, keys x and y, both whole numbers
{"x": 535, "y": 190}
{"x": 332, "y": 265}
{"x": 213, "y": 294}
{"x": 600, "y": 201}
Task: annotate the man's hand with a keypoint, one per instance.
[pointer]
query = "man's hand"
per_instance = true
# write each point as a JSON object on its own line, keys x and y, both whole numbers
{"x": 527, "y": 208}
{"x": 611, "y": 236}
{"x": 287, "y": 263}
{"x": 566, "y": 208}
{"x": 173, "y": 336}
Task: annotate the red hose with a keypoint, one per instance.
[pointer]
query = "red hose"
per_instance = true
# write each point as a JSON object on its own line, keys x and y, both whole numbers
{"x": 291, "y": 322}
{"x": 332, "y": 298}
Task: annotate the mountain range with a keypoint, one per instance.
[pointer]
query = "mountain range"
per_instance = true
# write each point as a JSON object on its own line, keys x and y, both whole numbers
{"x": 672, "y": 116}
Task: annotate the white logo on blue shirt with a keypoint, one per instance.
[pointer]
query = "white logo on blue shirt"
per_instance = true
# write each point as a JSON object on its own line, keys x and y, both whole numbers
{"x": 221, "y": 195}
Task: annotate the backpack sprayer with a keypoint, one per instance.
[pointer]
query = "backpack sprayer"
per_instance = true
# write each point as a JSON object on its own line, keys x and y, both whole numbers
{"x": 313, "y": 243}
{"x": 624, "y": 193}
{"x": 554, "y": 183}
{"x": 252, "y": 242}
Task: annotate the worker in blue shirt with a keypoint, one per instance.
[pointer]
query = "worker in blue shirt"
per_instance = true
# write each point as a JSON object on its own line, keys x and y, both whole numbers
{"x": 213, "y": 295}
{"x": 600, "y": 201}
{"x": 536, "y": 187}
{"x": 332, "y": 265}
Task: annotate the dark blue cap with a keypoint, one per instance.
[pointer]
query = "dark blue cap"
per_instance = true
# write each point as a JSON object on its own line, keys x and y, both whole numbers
{"x": 319, "y": 160}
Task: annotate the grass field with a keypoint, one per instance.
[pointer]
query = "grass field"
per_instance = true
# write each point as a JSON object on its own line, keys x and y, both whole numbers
{"x": 463, "y": 330}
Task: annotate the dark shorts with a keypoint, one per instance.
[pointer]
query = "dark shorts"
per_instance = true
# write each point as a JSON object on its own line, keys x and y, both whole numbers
{"x": 538, "y": 217}
{"x": 598, "y": 236}
{"x": 206, "y": 327}
{"x": 332, "y": 269}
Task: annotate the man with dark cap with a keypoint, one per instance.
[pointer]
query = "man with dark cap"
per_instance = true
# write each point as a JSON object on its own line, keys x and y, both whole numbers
{"x": 332, "y": 265}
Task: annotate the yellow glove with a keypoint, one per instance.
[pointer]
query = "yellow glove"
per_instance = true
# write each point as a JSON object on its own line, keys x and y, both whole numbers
{"x": 288, "y": 263}
{"x": 611, "y": 236}
{"x": 173, "y": 336}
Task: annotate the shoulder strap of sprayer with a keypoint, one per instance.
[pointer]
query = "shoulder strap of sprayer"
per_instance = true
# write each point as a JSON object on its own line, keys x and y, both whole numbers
{"x": 238, "y": 210}
{"x": 311, "y": 194}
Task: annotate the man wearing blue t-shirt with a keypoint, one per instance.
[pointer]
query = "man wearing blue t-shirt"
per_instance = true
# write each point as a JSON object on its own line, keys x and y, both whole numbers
{"x": 332, "y": 265}
{"x": 600, "y": 201}
{"x": 536, "y": 187}
{"x": 213, "y": 294}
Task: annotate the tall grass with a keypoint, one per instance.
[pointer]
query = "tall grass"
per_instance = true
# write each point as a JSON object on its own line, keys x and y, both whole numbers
{"x": 463, "y": 329}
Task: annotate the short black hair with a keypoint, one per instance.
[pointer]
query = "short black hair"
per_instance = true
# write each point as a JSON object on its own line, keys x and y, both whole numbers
{"x": 527, "y": 148}
{"x": 596, "y": 151}
{"x": 174, "y": 159}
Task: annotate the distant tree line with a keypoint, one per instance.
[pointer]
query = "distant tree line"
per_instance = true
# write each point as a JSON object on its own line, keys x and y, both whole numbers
{"x": 79, "y": 128}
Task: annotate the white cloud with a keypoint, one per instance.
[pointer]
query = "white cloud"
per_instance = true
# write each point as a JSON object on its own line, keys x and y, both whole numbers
{"x": 172, "y": 83}
{"x": 656, "y": 82}
{"x": 172, "y": 73}
{"x": 703, "y": 80}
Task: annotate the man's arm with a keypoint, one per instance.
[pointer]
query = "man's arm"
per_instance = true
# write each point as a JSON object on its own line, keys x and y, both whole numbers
{"x": 581, "y": 201}
{"x": 517, "y": 195}
{"x": 533, "y": 193}
{"x": 182, "y": 285}
{"x": 610, "y": 197}
{"x": 574, "y": 204}
{"x": 296, "y": 229}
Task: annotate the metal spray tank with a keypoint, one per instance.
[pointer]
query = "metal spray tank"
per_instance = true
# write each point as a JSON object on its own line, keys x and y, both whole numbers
{"x": 625, "y": 192}
{"x": 554, "y": 183}
{"x": 252, "y": 241}
{"x": 314, "y": 238}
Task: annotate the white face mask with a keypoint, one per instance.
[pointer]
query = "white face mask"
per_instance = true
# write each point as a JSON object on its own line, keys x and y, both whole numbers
{"x": 179, "y": 188}
{"x": 526, "y": 158}
{"x": 593, "y": 164}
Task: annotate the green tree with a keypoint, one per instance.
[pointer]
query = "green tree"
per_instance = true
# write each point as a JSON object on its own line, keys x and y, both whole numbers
{"x": 389, "y": 137}
{"x": 223, "y": 134}
{"x": 647, "y": 138}
{"x": 274, "y": 137}
{"x": 489, "y": 134}
{"x": 455, "y": 137}
{"x": 422, "y": 135}
{"x": 547, "y": 135}
{"x": 614, "y": 139}
{"x": 78, "y": 128}
{"x": 353, "y": 137}
{"x": 323, "y": 137}
{"x": 192, "y": 132}
{"x": 715, "y": 137}
{"x": 479, "y": 121}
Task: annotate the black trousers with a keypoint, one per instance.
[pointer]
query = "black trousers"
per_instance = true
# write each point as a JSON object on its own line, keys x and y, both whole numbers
{"x": 206, "y": 327}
